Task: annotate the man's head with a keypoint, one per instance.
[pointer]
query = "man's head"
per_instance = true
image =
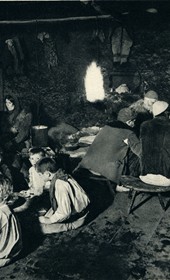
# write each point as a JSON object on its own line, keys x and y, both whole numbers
{"x": 160, "y": 108}
{"x": 126, "y": 115}
{"x": 35, "y": 154}
{"x": 150, "y": 98}
{"x": 47, "y": 167}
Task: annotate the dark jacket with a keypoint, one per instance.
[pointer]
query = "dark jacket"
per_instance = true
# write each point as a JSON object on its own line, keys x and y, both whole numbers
{"x": 155, "y": 138}
{"x": 23, "y": 125}
{"x": 107, "y": 154}
{"x": 7, "y": 120}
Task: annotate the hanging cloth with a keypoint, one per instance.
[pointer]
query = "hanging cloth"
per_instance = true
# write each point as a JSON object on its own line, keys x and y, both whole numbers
{"x": 12, "y": 50}
{"x": 121, "y": 44}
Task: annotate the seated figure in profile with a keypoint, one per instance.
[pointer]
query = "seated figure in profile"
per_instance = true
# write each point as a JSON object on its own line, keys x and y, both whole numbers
{"x": 69, "y": 202}
{"x": 109, "y": 155}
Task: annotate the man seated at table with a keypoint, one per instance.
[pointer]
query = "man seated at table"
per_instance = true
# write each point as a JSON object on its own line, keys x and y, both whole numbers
{"x": 109, "y": 155}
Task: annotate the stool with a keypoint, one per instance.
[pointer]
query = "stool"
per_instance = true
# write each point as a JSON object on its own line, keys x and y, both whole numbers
{"x": 137, "y": 186}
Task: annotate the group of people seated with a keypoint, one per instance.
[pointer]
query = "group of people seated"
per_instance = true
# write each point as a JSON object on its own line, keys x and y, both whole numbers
{"x": 69, "y": 204}
{"x": 137, "y": 143}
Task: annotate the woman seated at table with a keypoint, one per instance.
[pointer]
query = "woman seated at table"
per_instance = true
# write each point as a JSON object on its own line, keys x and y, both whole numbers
{"x": 16, "y": 124}
{"x": 15, "y": 127}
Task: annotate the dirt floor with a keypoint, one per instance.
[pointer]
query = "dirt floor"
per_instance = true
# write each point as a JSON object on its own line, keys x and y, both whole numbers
{"x": 112, "y": 245}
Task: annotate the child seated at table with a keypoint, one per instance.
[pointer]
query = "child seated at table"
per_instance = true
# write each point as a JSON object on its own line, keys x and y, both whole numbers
{"x": 69, "y": 202}
{"x": 10, "y": 234}
{"x": 36, "y": 183}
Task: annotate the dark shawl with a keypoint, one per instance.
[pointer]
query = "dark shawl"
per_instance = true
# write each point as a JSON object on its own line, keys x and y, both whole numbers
{"x": 108, "y": 152}
{"x": 155, "y": 137}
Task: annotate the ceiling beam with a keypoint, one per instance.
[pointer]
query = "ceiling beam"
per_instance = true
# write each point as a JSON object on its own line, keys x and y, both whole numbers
{"x": 53, "y": 20}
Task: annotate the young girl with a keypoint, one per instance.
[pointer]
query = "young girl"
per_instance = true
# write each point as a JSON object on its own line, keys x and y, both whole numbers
{"x": 10, "y": 234}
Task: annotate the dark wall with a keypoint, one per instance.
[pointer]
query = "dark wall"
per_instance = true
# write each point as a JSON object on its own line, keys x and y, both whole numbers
{"x": 58, "y": 93}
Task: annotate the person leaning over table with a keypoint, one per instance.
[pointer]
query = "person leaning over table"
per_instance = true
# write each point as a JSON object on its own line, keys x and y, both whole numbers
{"x": 143, "y": 109}
{"x": 109, "y": 155}
{"x": 69, "y": 202}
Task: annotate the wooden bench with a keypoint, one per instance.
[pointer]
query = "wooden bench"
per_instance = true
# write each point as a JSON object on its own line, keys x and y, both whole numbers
{"x": 136, "y": 186}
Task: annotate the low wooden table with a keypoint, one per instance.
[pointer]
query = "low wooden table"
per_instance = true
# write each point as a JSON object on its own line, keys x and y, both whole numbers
{"x": 137, "y": 186}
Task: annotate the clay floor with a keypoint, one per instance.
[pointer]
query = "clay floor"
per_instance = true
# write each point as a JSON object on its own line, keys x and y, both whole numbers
{"x": 111, "y": 246}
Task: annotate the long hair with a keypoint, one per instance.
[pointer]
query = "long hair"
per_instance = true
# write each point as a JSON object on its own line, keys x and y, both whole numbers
{"x": 6, "y": 187}
{"x": 17, "y": 109}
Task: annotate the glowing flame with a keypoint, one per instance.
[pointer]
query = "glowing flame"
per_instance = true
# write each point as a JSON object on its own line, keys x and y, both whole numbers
{"x": 94, "y": 83}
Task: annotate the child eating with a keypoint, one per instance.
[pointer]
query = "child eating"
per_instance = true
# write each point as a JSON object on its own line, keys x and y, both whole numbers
{"x": 69, "y": 202}
{"x": 10, "y": 234}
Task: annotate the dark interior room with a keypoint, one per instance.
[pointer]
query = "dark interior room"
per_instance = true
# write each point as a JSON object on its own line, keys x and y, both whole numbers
{"x": 69, "y": 68}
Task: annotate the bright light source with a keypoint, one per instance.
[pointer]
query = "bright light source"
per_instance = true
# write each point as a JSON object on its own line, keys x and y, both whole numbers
{"x": 94, "y": 83}
{"x": 125, "y": 13}
{"x": 152, "y": 10}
